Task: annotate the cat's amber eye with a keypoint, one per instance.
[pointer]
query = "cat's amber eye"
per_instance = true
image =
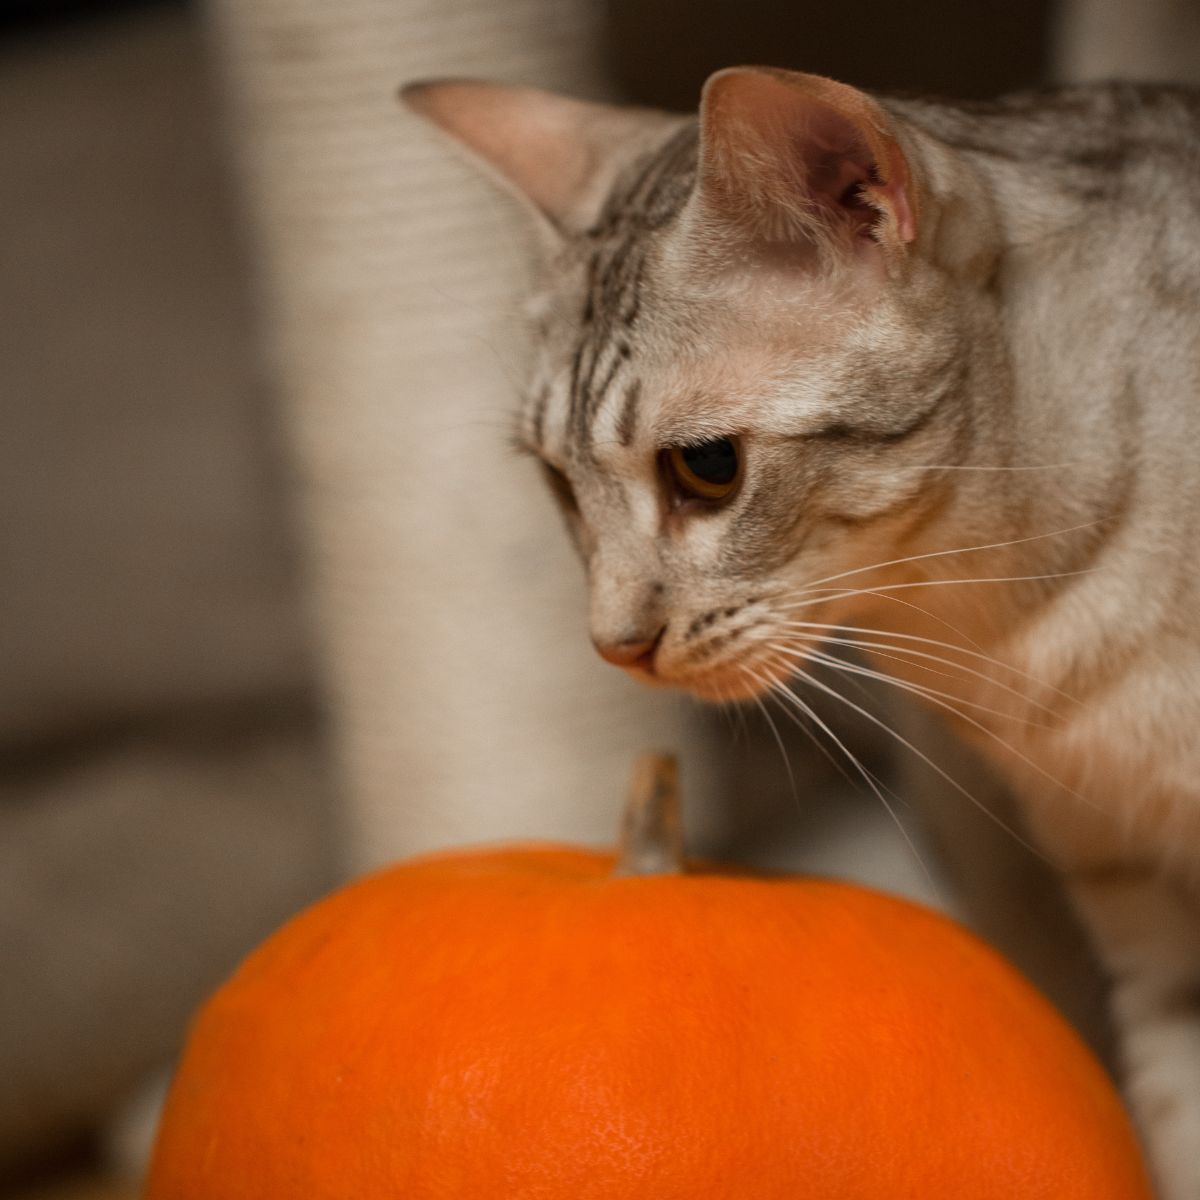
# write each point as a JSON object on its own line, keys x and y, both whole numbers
{"x": 710, "y": 470}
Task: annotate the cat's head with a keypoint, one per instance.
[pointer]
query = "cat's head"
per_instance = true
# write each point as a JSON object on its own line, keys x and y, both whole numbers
{"x": 745, "y": 362}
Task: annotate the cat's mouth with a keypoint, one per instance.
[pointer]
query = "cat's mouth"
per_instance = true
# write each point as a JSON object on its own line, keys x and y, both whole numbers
{"x": 746, "y": 677}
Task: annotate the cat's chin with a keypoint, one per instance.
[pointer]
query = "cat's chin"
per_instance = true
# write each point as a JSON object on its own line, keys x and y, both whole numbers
{"x": 719, "y": 687}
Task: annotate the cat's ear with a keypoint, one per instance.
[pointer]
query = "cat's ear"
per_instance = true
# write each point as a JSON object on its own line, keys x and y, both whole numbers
{"x": 559, "y": 155}
{"x": 787, "y": 157}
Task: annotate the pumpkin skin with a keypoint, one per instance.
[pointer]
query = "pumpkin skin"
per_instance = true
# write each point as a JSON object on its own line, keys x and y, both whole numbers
{"x": 518, "y": 1024}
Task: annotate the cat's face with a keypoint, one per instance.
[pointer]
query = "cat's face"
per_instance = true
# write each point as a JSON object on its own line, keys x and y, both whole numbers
{"x": 734, "y": 399}
{"x": 729, "y": 448}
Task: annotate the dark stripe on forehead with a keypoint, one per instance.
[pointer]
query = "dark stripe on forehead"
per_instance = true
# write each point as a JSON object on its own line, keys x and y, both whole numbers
{"x": 574, "y": 406}
{"x": 620, "y": 355}
{"x": 627, "y": 421}
{"x": 654, "y": 192}
{"x": 644, "y": 200}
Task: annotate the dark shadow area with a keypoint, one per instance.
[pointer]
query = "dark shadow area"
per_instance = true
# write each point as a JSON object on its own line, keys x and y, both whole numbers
{"x": 661, "y": 53}
{"x": 20, "y": 16}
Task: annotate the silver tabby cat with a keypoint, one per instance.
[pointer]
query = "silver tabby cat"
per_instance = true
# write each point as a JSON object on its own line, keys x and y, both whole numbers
{"x": 924, "y": 378}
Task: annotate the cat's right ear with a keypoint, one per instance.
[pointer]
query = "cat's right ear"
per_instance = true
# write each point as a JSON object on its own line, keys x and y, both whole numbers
{"x": 556, "y": 154}
{"x": 794, "y": 159}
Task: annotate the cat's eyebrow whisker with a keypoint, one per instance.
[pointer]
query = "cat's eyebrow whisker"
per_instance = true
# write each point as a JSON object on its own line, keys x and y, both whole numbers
{"x": 861, "y": 644}
{"x": 481, "y": 421}
{"x": 505, "y": 310}
{"x": 521, "y": 446}
{"x": 895, "y": 562}
{"x": 873, "y": 782}
{"x": 954, "y": 783}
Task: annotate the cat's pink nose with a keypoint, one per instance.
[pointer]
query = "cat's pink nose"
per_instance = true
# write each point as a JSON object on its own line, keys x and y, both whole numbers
{"x": 635, "y": 652}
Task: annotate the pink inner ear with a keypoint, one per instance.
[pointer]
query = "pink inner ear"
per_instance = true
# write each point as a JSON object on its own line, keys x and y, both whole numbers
{"x": 844, "y": 173}
{"x": 782, "y": 148}
{"x": 897, "y": 190}
{"x": 838, "y": 167}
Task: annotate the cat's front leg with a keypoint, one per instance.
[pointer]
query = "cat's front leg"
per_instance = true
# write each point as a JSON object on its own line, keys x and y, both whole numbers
{"x": 1146, "y": 928}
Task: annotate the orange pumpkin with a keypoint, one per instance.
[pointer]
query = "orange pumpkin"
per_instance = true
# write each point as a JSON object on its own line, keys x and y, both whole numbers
{"x": 512, "y": 1024}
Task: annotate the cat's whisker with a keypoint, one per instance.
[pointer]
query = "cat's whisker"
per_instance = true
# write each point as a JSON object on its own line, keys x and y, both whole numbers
{"x": 827, "y": 628}
{"x": 491, "y": 309}
{"x": 895, "y": 562}
{"x": 947, "y": 700}
{"x": 926, "y": 689}
{"x": 886, "y": 649}
{"x": 512, "y": 369}
{"x": 887, "y": 588}
{"x": 954, "y": 783}
{"x": 933, "y": 698}
{"x": 761, "y": 683}
{"x": 873, "y": 782}
{"x": 767, "y": 686}
{"x": 1069, "y": 466}
{"x": 901, "y": 601}
{"x": 782, "y": 691}
{"x": 893, "y": 655}
{"x": 731, "y": 712}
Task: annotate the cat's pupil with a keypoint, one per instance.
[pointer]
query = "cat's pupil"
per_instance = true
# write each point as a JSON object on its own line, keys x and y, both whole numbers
{"x": 715, "y": 461}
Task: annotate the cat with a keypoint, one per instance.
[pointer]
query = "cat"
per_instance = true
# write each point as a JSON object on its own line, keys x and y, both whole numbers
{"x": 922, "y": 378}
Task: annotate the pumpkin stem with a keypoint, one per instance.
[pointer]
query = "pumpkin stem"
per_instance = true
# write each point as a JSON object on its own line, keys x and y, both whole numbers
{"x": 652, "y": 832}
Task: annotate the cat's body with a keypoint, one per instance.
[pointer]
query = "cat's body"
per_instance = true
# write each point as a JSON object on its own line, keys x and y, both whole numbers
{"x": 926, "y": 377}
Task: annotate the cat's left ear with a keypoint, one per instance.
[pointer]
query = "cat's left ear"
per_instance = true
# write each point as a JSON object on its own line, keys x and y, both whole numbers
{"x": 560, "y": 156}
{"x": 788, "y": 157}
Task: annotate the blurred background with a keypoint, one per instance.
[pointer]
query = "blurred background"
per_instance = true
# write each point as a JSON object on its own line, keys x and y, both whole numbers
{"x": 276, "y": 603}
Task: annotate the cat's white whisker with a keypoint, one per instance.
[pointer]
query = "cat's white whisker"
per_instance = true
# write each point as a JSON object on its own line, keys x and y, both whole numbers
{"x": 1069, "y": 466}
{"x": 899, "y": 601}
{"x": 833, "y": 632}
{"x": 934, "y": 697}
{"x": 812, "y": 681}
{"x": 951, "y": 701}
{"x": 909, "y": 558}
{"x": 762, "y": 684}
{"x": 873, "y": 782}
{"x": 893, "y": 636}
{"x": 767, "y": 685}
{"x": 887, "y": 588}
{"x": 928, "y": 690}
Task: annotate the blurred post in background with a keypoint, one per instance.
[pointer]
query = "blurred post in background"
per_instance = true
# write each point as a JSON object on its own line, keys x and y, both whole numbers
{"x": 467, "y": 702}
